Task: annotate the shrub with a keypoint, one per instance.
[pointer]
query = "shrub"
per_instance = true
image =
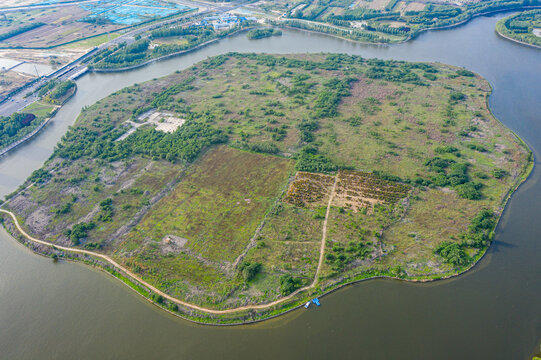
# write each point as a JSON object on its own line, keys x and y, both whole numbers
{"x": 157, "y": 298}
{"x": 477, "y": 147}
{"x": 249, "y": 270}
{"x": 456, "y": 96}
{"x": 499, "y": 173}
{"x": 288, "y": 284}
{"x": 470, "y": 191}
{"x": 106, "y": 213}
{"x": 464, "y": 72}
{"x": 452, "y": 253}
{"x": 79, "y": 231}
{"x": 39, "y": 176}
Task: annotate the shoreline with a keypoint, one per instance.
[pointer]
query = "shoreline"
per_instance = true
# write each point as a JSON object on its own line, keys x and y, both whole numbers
{"x": 408, "y": 38}
{"x": 34, "y": 132}
{"x": 515, "y": 40}
{"x": 163, "y": 57}
{"x": 412, "y": 37}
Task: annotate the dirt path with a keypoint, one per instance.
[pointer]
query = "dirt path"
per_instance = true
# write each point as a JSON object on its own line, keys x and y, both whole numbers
{"x": 175, "y": 300}
{"x": 324, "y": 232}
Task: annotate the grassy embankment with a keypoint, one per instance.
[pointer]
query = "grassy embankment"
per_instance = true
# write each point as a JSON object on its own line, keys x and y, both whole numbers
{"x": 16, "y": 126}
{"x": 521, "y": 27}
{"x": 221, "y": 226}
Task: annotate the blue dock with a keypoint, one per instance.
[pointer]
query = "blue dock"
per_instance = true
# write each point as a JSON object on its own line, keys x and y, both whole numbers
{"x": 316, "y": 301}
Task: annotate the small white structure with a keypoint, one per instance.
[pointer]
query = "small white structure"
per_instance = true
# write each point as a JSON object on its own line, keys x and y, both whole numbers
{"x": 164, "y": 121}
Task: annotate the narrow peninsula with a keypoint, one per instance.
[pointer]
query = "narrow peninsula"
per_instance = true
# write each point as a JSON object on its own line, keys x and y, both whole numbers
{"x": 524, "y": 28}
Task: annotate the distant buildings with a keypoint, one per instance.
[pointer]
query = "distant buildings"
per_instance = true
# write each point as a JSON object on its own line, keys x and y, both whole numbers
{"x": 224, "y": 21}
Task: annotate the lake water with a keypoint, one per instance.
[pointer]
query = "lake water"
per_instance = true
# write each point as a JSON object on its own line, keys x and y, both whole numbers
{"x": 69, "y": 311}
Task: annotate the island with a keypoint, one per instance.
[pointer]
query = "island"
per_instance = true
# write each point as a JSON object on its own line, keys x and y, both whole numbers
{"x": 256, "y": 34}
{"x": 524, "y": 28}
{"x": 248, "y": 184}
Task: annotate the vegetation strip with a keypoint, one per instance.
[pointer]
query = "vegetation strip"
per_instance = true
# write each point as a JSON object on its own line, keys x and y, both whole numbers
{"x": 163, "y": 57}
{"x": 385, "y": 21}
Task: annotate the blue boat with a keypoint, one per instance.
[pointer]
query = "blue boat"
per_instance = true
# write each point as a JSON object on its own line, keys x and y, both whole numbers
{"x": 316, "y": 301}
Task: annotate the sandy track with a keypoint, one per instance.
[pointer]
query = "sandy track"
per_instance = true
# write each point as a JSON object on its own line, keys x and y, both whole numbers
{"x": 175, "y": 300}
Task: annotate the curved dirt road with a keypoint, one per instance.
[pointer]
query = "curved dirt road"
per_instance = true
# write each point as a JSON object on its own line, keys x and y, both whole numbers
{"x": 175, "y": 300}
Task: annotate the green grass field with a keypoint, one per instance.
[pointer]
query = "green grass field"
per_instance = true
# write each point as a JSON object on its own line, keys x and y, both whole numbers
{"x": 40, "y": 109}
{"x": 92, "y": 42}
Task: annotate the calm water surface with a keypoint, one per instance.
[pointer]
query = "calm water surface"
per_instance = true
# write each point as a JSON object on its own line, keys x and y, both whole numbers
{"x": 69, "y": 311}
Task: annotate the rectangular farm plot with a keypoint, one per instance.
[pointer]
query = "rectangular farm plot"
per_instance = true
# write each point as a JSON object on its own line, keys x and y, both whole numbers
{"x": 310, "y": 189}
{"x": 354, "y": 190}
{"x": 219, "y": 204}
{"x": 358, "y": 189}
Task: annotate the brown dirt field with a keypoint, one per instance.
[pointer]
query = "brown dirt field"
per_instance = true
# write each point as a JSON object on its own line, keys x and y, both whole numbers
{"x": 357, "y": 189}
{"x": 354, "y": 190}
{"x": 410, "y": 6}
{"x": 377, "y": 4}
{"x": 309, "y": 189}
{"x": 62, "y": 26}
{"x": 10, "y": 80}
{"x": 42, "y": 56}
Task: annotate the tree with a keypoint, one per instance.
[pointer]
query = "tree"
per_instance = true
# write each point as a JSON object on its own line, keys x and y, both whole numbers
{"x": 250, "y": 269}
{"x": 288, "y": 284}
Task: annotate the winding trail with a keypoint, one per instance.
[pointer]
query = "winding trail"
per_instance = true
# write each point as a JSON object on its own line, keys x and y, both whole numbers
{"x": 175, "y": 300}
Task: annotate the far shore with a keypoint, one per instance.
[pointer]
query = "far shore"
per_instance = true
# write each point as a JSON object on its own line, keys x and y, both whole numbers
{"x": 517, "y": 41}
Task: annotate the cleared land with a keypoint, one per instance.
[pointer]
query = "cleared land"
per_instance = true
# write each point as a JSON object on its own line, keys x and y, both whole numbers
{"x": 60, "y": 25}
{"x": 11, "y": 80}
{"x": 199, "y": 230}
{"x": 284, "y": 165}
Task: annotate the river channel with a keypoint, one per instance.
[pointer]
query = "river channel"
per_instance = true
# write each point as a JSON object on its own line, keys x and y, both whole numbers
{"x": 69, "y": 311}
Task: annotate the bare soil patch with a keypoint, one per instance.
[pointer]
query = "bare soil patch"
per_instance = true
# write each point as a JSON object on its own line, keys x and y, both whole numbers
{"x": 357, "y": 189}
{"x": 309, "y": 189}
